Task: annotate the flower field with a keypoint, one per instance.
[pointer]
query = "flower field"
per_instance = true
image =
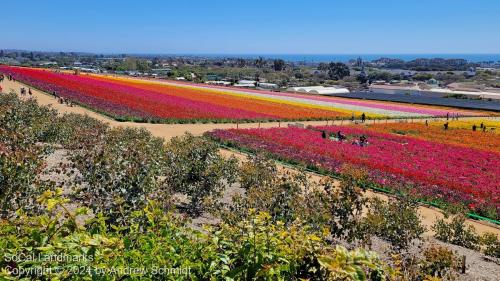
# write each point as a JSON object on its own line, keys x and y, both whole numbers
{"x": 492, "y": 126}
{"x": 430, "y": 169}
{"x": 147, "y": 100}
{"x": 459, "y": 133}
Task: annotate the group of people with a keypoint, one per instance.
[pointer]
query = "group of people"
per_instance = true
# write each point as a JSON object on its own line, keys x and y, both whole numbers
{"x": 339, "y": 136}
{"x": 9, "y": 77}
{"x": 62, "y": 100}
{"x": 474, "y": 127}
{"x": 454, "y": 116}
{"x": 363, "y": 117}
{"x": 481, "y": 126}
{"x": 23, "y": 92}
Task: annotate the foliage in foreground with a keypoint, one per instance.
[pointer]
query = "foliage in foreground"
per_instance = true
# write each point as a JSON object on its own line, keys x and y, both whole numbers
{"x": 284, "y": 227}
{"x": 120, "y": 173}
{"x": 255, "y": 248}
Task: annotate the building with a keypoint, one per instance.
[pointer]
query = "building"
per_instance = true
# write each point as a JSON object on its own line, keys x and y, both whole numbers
{"x": 219, "y": 83}
{"x": 212, "y": 77}
{"x": 268, "y": 86}
{"x": 433, "y": 92}
{"x": 320, "y": 90}
{"x": 246, "y": 83}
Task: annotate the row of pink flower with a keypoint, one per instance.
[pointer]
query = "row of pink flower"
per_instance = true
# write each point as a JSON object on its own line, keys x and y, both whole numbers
{"x": 373, "y": 104}
{"x": 432, "y": 170}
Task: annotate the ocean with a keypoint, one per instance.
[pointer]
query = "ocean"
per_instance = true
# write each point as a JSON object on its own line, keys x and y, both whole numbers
{"x": 309, "y": 58}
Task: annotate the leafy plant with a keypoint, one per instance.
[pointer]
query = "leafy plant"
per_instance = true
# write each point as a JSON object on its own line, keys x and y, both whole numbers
{"x": 120, "y": 173}
{"x": 455, "y": 231}
{"x": 491, "y": 244}
{"x": 439, "y": 261}
{"x": 357, "y": 265}
{"x": 195, "y": 167}
{"x": 396, "y": 221}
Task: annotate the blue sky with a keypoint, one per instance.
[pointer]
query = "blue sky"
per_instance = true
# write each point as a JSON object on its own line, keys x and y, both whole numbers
{"x": 256, "y": 27}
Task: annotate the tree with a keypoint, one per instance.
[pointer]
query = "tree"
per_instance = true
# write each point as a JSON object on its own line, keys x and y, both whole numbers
{"x": 323, "y": 66}
{"x": 240, "y": 63}
{"x": 338, "y": 70}
{"x": 156, "y": 61}
{"x": 422, "y": 76}
{"x": 279, "y": 65}
{"x": 259, "y": 63}
{"x": 143, "y": 65}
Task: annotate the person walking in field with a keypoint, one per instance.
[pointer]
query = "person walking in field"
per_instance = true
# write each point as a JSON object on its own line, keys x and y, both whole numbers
{"x": 352, "y": 117}
{"x": 474, "y": 127}
{"x": 445, "y": 126}
{"x": 482, "y": 125}
{"x": 323, "y": 134}
{"x": 484, "y": 129}
{"x": 29, "y": 92}
{"x": 447, "y": 116}
{"x": 363, "y": 117}
{"x": 426, "y": 123}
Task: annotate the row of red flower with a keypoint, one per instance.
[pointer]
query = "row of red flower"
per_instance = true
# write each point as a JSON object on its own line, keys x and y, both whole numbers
{"x": 434, "y": 171}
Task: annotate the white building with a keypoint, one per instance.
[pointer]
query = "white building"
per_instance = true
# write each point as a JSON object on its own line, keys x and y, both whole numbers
{"x": 269, "y": 86}
{"x": 220, "y": 83}
{"x": 320, "y": 90}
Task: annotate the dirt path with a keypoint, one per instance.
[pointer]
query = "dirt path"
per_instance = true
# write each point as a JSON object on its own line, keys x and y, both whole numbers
{"x": 167, "y": 131}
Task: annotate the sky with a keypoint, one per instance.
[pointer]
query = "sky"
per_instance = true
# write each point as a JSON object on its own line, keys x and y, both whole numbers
{"x": 253, "y": 27}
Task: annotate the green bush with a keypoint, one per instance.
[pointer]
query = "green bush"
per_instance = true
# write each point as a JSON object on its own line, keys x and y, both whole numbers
{"x": 456, "y": 232}
{"x": 256, "y": 248}
{"x": 75, "y": 131}
{"x": 195, "y": 167}
{"x": 491, "y": 244}
{"x": 27, "y": 118}
{"x": 24, "y": 125}
{"x": 257, "y": 171}
{"x": 120, "y": 173}
{"x": 439, "y": 261}
{"x": 20, "y": 166}
{"x": 396, "y": 221}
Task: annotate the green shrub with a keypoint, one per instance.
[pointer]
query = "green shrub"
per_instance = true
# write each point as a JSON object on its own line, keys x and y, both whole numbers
{"x": 456, "y": 232}
{"x": 75, "y": 131}
{"x": 257, "y": 171}
{"x": 20, "y": 166}
{"x": 195, "y": 167}
{"x": 256, "y": 248}
{"x": 491, "y": 244}
{"x": 24, "y": 125}
{"x": 120, "y": 173}
{"x": 439, "y": 261}
{"x": 27, "y": 118}
{"x": 396, "y": 221}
